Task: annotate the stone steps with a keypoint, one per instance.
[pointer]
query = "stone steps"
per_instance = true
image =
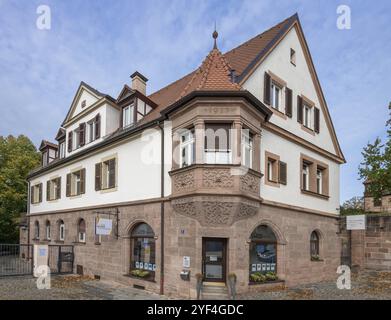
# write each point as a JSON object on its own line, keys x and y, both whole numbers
{"x": 214, "y": 292}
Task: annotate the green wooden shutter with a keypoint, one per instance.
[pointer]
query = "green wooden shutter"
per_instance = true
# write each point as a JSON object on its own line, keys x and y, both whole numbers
{"x": 266, "y": 88}
{"x": 83, "y": 181}
{"x": 299, "y": 109}
{"x": 288, "y": 102}
{"x": 68, "y": 186}
{"x": 98, "y": 176}
{"x": 316, "y": 120}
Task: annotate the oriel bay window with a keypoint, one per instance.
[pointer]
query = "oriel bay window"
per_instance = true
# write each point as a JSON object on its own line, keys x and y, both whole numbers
{"x": 76, "y": 183}
{"x": 53, "y": 189}
{"x": 143, "y": 252}
{"x": 187, "y": 148}
{"x": 105, "y": 174}
{"x": 314, "y": 177}
{"x": 247, "y": 148}
{"x": 217, "y": 146}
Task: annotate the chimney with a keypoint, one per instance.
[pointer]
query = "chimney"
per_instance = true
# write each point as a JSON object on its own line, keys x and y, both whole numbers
{"x": 139, "y": 82}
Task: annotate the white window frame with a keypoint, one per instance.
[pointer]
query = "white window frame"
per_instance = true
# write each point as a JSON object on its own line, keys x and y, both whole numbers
{"x": 307, "y": 116}
{"x": 186, "y": 143}
{"x": 62, "y": 150}
{"x": 62, "y": 232}
{"x": 276, "y": 95}
{"x": 127, "y": 116}
{"x": 270, "y": 170}
{"x": 82, "y": 237}
{"x": 76, "y": 183}
{"x": 76, "y": 139}
{"x": 306, "y": 180}
{"x": 319, "y": 181}
{"x": 247, "y": 149}
{"x": 48, "y": 231}
{"x": 91, "y": 131}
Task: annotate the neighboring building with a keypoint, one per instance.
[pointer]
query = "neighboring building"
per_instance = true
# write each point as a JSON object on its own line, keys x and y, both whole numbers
{"x": 250, "y": 180}
{"x": 382, "y": 205}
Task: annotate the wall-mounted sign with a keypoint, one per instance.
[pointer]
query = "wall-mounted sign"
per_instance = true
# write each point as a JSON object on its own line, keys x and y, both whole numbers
{"x": 186, "y": 262}
{"x": 355, "y": 222}
{"x": 104, "y": 226}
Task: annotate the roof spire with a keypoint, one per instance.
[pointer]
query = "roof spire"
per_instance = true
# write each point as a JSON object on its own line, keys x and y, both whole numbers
{"x": 215, "y": 35}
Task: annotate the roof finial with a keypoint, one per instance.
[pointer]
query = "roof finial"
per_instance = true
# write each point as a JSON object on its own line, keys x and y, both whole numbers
{"x": 215, "y": 35}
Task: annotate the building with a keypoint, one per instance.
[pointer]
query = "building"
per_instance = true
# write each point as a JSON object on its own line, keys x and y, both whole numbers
{"x": 233, "y": 168}
{"x": 371, "y": 204}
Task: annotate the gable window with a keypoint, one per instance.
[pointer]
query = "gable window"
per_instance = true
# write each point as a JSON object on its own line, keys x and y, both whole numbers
{"x": 82, "y": 230}
{"x": 306, "y": 176}
{"x": 76, "y": 183}
{"x": 127, "y": 116}
{"x": 44, "y": 158}
{"x": 275, "y": 95}
{"x": 48, "y": 230}
{"x": 187, "y": 146}
{"x": 61, "y": 230}
{"x": 53, "y": 189}
{"x": 247, "y": 149}
{"x": 307, "y": 115}
{"x": 105, "y": 174}
{"x": 36, "y": 193}
{"x": 76, "y": 139}
{"x": 293, "y": 57}
{"x": 217, "y": 144}
{"x": 83, "y": 103}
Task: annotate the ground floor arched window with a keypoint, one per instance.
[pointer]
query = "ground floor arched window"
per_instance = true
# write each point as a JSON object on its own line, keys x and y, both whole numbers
{"x": 314, "y": 246}
{"x": 48, "y": 230}
{"x": 36, "y": 230}
{"x": 61, "y": 230}
{"x": 143, "y": 252}
{"x": 263, "y": 255}
{"x": 81, "y": 228}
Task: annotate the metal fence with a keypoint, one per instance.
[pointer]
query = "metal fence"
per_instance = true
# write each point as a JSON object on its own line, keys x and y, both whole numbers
{"x": 17, "y": 259}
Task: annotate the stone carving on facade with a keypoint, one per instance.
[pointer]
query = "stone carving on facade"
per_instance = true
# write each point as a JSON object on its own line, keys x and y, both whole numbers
{"x": 184, "y": 181}
{"x": 186, "y": 207}
{"x": 249, "y": 183}
{"x": 217, "y": 178}
{"x": 247, "y": 209}
{"x": 217, "y": 212}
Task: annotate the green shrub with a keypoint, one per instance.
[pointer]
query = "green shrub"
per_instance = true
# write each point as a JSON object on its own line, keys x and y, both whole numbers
{"x": 139, "y": 273}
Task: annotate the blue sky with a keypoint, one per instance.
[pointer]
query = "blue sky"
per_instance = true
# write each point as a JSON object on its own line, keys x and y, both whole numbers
{"x": 102, "y": 42}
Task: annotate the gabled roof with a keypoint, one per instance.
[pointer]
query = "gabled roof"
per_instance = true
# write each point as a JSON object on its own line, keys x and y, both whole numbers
{"x": 125, "y": 92}
{"x": 60, "y": 134}
{"x": 45, "y": 144}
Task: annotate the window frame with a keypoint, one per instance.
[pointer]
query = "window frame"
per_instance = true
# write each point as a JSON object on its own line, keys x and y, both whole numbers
{"x": 48, "y": 230}
{"x": 61, "y": 230}
{"x": 247, "y": 149}
{"x": 130, "y": 108}
{"x": 81, "y": 236}
{"x": 273, "y": 86}
{"x": 305, "y": 170}
{"x": 189, "y": 145}
{"x": 315, "y": 245}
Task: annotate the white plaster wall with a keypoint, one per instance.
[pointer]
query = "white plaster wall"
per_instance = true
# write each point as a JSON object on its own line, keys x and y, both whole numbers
{"x": 90, "y": 100}
{"x": 112, "y": 119}
{"x": 138, "y": 174}
{"x": 298, "y": 79}
{"x": 289, "y": 153}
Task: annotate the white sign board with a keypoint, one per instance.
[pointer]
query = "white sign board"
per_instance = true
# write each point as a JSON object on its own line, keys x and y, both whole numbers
{"x": 355, "y": 222}
{"x": 186, "y": 262}
{"x": 104, "y": 226}
{"x": 41, "y": 257}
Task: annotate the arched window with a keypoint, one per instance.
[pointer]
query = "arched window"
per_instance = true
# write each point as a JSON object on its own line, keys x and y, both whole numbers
{"x": 47, "y": 230}
{"x": 61, "y": 230}
{"x": 143, "y": 263}
{"x": 81, "y": 227}
{"x": 314, "y": 245}
{"x": 36, "y": 230}
{"x": 263, "y": 254}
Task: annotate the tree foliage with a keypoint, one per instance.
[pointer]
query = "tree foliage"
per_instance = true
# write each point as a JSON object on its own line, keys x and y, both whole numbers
{"x": 352, "y": 206}
{"x": 375, "y": 169}
{"x": 18, "y": 156}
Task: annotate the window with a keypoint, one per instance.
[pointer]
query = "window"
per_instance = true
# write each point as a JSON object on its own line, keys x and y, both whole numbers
{"x": 94, "y": 129}
{"x": 187, "y": 146}
{"x": 247, "y": 149}
{"x": 263, "y": 253}
{"x": 275, "y": 96}
{"x": 217, "y": 144}
{"x": 319, "y": 180}
{"x": 143, "y": 253}
{"x": 307, "y": 115}
{"x": 270, "y": 169}
{"x": 47, "y": 230}
{"x": 36, "y": 230}
{"x": 82, "y": 230}
{"x": 36, "y": 193}
{"x": 105, "y": 174}
{"x": 275, "y": 170}
{"x": 127, "y": 116}
{"x": 76, "y": 183}
{"x": 293, "y": 57}
{"x": 314, "y": 246}
{"x": 53, "y": 189}
{"x": 61, "y": 150}
{"x": 306, "y": 176}
{"x": 61, "y": 230}
{"x": 76, "y": 139}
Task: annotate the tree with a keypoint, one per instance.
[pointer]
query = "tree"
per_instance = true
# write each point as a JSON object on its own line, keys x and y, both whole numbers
{"x": 352, "y": 206}
{"x": 375, "y": 169}
{"x": 18, "y": 156}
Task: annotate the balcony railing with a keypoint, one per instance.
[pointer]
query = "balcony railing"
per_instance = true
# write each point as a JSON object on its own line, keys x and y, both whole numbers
{"x": 213, "y": 156}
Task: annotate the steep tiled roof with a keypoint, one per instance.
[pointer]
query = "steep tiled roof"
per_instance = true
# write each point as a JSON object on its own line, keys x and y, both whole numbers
{"x": 238, "y": 59}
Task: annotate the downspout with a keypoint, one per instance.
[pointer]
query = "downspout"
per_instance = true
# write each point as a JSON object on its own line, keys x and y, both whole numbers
{"x": 161, "y": 126}
{"x": 28, "y": 219}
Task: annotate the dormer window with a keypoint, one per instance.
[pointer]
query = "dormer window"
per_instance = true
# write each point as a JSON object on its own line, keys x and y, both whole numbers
{"x": 61, "y": 152}
{"x": 127, "y": 116}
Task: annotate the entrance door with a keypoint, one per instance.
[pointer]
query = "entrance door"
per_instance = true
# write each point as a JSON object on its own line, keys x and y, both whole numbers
{"x": 214, "y": 259}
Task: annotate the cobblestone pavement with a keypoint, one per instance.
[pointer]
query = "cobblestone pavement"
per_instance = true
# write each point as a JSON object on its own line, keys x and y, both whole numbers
{"x": 70, "y": 288}
{"x": 367, "y": 285}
